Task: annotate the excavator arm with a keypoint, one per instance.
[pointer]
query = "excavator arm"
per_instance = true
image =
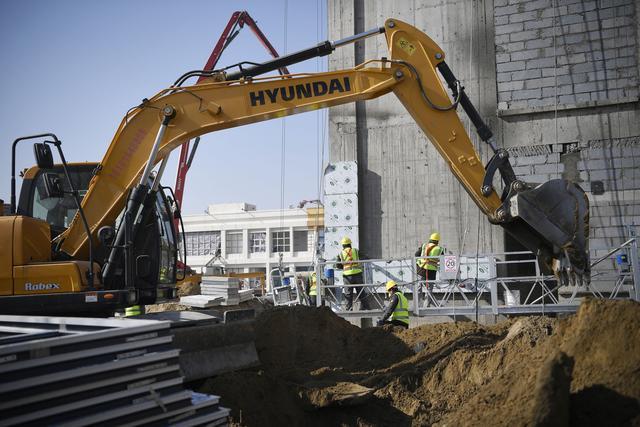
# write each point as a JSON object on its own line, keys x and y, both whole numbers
{"x": 150, "y": 131}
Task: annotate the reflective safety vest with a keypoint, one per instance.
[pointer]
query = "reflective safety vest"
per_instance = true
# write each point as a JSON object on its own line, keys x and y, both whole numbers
{"x": 134, "y": 310}
{"x": 350, "y": 268}
{"x": 429, "y": 249}
{"x": 313, "y": 288}
{"x": 401, "y": 311}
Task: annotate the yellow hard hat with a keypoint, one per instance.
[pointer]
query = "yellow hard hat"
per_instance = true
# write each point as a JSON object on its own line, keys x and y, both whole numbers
{"x": 345, "y": 241}
{"x": 391, "y": 284}
{"x": 435, "y": 236}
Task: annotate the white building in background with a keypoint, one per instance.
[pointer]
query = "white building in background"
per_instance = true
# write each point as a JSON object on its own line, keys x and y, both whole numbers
{"x": 241, "y": 239}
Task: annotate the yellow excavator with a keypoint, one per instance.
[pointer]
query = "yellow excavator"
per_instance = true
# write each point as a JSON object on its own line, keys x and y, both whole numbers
{"x": 115, "y": 216}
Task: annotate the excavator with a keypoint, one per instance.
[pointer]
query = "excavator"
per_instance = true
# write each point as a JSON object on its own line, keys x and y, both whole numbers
{"x": 93, "y": 238}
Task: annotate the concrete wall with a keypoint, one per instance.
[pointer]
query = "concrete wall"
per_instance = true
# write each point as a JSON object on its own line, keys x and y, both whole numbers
{"x": 589, "y": 122}
{"x": 583, "y": 125}
{"x": 406, "y": 189}
{"x": 576, "y": 52}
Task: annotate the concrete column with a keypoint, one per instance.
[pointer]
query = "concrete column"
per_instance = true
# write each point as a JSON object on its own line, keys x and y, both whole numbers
{"x": 267, "y": 285}
{"x": 291, "y": 241}
{"x": 268, "y": 243}
{"x": 245, "y": 244}
{"x": 223, "y": 243}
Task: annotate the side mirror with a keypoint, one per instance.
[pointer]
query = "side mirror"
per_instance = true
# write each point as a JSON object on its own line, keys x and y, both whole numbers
{"x": 44, "y": 157}
{"x": 52, "y": 185}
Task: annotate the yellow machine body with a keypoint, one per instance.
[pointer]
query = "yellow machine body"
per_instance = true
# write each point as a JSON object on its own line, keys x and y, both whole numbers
{"x": 25, "y": 260}
{"x": 52, "y": 277}
{"x": 25, "y": 240}
{"x": 410, "y": 71}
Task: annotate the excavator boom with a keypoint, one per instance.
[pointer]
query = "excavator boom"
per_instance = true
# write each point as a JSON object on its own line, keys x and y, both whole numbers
{"x": 550, "y": 219}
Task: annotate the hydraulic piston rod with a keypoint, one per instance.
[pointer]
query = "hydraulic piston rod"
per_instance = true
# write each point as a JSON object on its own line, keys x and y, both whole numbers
{"x": 169, "y": 113}
{"x": 322, "y": 49}
{"x": 136, "y": 199}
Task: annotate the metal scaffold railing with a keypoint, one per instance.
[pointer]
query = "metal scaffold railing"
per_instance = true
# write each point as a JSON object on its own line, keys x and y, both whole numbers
{"x": 505, "y": 283}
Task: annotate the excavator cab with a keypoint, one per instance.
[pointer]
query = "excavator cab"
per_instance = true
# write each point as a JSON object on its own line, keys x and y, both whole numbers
{"x": 42, "y": 280}
{"x": 159, "y": 239}
{"x": 38, "y": 201}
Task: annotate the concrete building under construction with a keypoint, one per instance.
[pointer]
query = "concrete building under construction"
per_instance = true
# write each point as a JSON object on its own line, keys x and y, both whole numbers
{"x": 127, "y": 336}
{"x": 556, "y": 80}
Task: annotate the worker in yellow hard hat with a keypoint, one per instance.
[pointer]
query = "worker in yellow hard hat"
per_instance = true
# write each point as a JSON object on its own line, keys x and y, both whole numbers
{"x": 351, "y": 274}
{"x": 397, "y": 308}
{"x": 312, "y": 289}
{"x": 428, "y": 267}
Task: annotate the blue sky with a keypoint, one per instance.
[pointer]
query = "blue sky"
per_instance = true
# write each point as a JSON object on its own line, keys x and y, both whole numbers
{"x": 75, "y": 67}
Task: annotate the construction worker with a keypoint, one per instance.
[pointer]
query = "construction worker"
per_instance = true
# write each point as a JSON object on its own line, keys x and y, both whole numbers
{"x": 427, "y": 267}
{"x": 351, "y": 273}
{"x": 398, "y": 308}
{"x": 312, "y": 289}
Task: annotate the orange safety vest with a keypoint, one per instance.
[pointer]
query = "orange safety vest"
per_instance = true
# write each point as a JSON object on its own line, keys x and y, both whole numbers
{"x": 429, "y": 263}
{"x": 350, "y": 268}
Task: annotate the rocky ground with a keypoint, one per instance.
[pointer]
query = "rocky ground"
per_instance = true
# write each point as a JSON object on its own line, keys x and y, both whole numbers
{"x": 317, "y": 369}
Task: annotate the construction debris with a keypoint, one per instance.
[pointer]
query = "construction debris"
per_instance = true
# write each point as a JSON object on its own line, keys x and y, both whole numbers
{"x": 84, "y": 372}
{"x": 201, "y": 301}
{"x": 245, "y": 294}
{"x": 187, "y": 288}
{"x": 224, "y": 287}
{"x": 318, "y": 369}
{"x": 212, "y": 349}
{"x": 216, "y": 291}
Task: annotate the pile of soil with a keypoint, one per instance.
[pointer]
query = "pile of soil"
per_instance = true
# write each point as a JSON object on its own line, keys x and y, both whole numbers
{"x": 187, "y": 288}
{"x": 318, "y": 369}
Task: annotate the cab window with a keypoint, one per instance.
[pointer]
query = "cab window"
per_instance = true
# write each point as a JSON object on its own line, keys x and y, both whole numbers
{"x": 58, "y": 212}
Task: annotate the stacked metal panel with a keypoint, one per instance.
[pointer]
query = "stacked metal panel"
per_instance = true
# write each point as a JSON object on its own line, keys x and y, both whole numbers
{"x": 218, "y": 286}
{"x": 82, "y": 372}
{"x": 340, "y": 206}
{"x": 245, "y": 295}
{"x": 201, "y": 301}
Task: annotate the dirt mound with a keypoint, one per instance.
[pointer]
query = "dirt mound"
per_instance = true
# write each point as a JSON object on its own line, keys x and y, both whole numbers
{"x": 294, "y": 339}
{"x": 317, "y": 369}
{"x": 166, "y": 306}
{"x": 188, "y": 288}
{"x": 603, "y": 348}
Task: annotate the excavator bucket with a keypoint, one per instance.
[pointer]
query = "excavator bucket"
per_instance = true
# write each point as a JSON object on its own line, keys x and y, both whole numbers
{"x": 552, "y": 219}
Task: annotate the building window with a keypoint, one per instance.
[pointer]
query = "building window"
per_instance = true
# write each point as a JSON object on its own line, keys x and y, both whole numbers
{"x": 202, "y": 243}
{"x": 280, "y": 241}
{"x": 301, "y": 241}
{"x": 234, "y": 242}
{"x": 257, "y": 241}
